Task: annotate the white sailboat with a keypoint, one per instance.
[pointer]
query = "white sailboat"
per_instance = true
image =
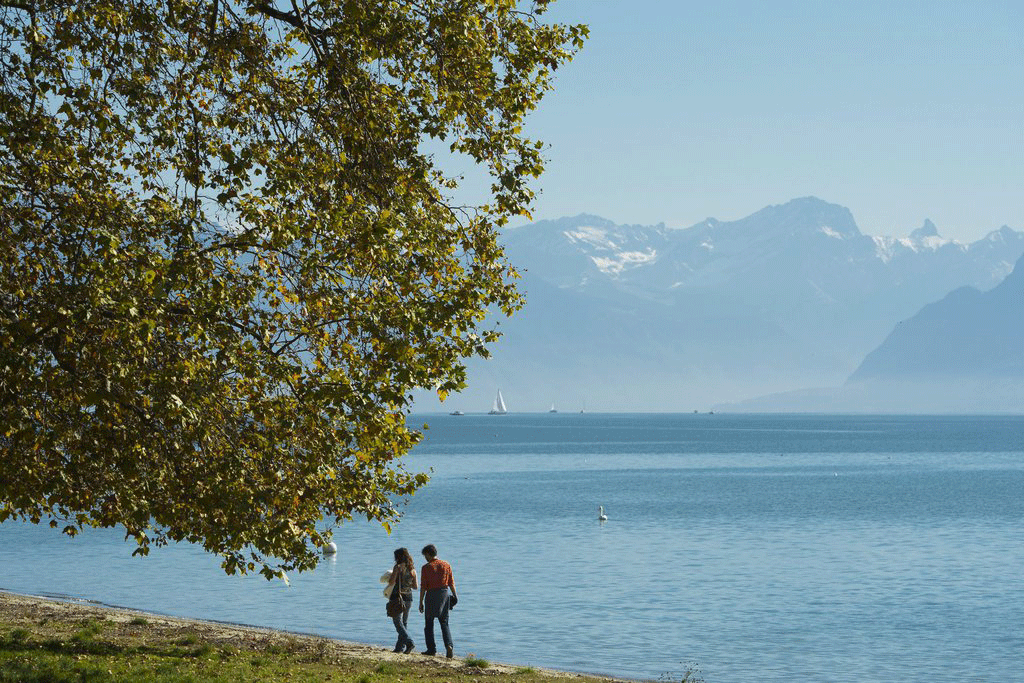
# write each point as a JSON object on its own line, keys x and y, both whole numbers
{"x": 553, "y": 409}
{"x": 499, "y": 405}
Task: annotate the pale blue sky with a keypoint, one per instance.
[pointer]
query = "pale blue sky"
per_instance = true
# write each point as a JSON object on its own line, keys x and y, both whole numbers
{"x": 676, "y": 111}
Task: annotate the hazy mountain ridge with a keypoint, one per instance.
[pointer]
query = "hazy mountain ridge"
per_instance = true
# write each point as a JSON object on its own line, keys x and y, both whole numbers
{"x": 632, "y": 317}
{"x": 818, "y": 264}
{"x": 659, "y": 258}
{"x": 621, "y": 252}
{"x": 961, "y": 354}
{"x": 968, "y": 333}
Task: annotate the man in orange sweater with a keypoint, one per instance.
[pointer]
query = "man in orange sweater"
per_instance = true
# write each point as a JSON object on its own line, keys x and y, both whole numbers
{"x": 437, "y": 590}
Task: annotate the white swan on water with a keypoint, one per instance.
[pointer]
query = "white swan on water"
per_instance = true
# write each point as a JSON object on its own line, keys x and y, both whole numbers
{"x": 600, "y": 513}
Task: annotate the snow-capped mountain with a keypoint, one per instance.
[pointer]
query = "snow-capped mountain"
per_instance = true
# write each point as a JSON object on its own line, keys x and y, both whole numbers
{"x": 804, "y": 266}
{"x": 631, "y": 317}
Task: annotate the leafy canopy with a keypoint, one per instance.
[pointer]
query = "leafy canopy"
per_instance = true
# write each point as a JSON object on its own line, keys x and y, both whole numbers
{"x": 226, "y": 257}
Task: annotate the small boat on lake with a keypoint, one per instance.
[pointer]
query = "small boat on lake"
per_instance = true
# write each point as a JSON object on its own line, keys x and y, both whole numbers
{"x": 499, "y": 405}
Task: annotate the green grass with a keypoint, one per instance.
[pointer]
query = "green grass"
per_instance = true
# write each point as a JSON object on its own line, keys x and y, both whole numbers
{"x": 205, "y": 650}
{"x": 19, "y": 635}
{"x": 189, "y": 639}
{"x": 89, "y": 631}
{"x": 52, "y": 646}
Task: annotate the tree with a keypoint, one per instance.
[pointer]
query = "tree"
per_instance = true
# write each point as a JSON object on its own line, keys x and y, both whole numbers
{"x": 227, "y": 257}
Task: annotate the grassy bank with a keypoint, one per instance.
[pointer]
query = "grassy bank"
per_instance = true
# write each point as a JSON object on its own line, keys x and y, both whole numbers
{"x": 43, "y": 641}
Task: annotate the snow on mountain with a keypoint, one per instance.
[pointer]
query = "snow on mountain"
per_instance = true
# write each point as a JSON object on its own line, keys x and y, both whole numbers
{"x": 832, "y": 233}
{"x": 807, "y": 249}
{"x": 925, "y": 238}
{"x": 651, "y": 317}
{"x": 623, "y": 260}
{"x": 610, "y": 250}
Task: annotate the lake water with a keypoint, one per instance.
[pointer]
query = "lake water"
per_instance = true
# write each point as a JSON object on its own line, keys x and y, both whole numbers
{"x": 761, "y": 548}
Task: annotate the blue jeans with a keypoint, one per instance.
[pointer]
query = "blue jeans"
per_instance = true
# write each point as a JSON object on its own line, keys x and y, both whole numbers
{"x": 401, "y": 621}
{"x": 435, "y": 606}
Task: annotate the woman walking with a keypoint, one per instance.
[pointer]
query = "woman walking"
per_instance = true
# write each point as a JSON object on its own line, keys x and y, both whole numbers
{"x": 403, "y": 578}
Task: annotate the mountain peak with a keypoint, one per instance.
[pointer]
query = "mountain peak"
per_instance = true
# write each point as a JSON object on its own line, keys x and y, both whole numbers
{"x": 584, "y": 219}
{"x": 558, "y": 225}
{"x": 811, "y": 215}
{"x": 1003, "y": 234}
{"x": 926, "y": 230}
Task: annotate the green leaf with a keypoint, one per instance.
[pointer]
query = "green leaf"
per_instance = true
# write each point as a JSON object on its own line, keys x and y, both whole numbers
{"x": 228, "y": 258}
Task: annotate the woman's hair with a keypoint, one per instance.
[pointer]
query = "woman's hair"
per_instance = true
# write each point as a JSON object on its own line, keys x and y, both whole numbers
{"x": 402, "y": 556}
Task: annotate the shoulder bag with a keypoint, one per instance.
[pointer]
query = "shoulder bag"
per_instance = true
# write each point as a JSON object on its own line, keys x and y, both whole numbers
{"x": 395, "y": 604}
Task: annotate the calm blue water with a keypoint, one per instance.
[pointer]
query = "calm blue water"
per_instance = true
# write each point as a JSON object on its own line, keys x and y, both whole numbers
{"x": 763, "y": 548}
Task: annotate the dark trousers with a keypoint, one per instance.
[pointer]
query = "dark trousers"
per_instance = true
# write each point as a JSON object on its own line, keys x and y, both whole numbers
{"x": 401, "y": 621}
{"x": 435, "y": 606}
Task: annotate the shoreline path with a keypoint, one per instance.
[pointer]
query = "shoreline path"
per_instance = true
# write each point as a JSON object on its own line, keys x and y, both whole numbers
{"x": 15, "y": 608}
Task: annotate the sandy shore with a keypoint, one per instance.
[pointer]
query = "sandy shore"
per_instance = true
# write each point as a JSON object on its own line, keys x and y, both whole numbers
{"x": 17, "y": 609}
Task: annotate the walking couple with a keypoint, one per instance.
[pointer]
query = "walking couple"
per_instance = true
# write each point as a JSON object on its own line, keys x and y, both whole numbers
{"x": 437, "y": 596}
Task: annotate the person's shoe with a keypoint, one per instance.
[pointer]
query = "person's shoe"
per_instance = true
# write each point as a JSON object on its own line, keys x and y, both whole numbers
{"x": 409, "y": 647}
{"x": 398, "y": 648}
{"x": 429, "y": 653}
{"x": 450, "y": 652}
